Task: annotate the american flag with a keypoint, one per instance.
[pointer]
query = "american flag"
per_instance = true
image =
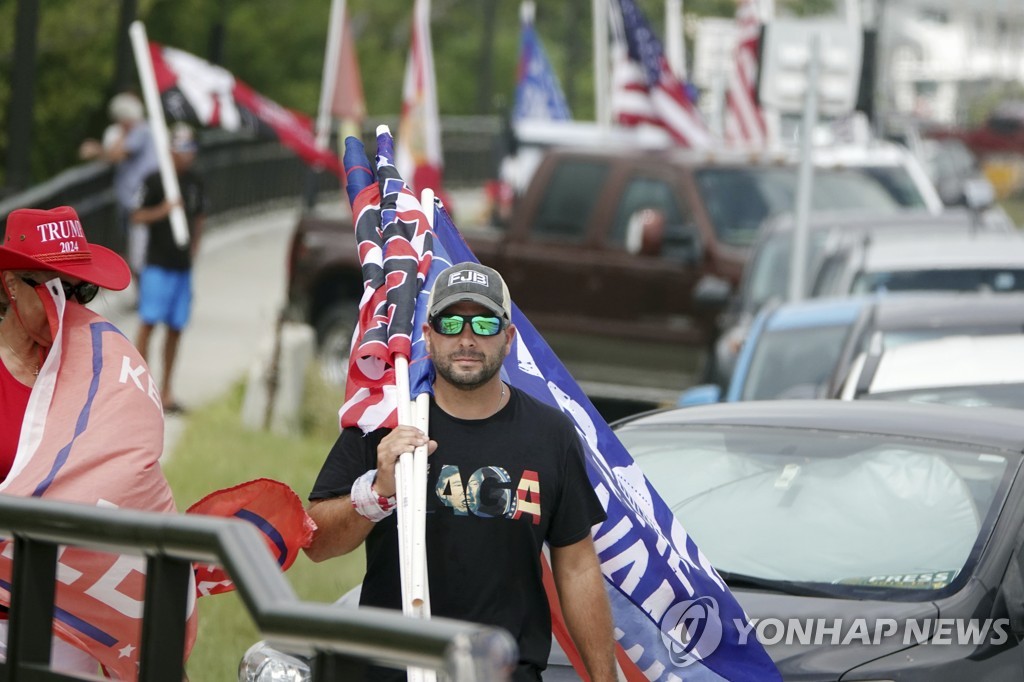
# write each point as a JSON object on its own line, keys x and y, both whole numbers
{"x": 206, "y": 95}
{"x": 397, "y": 253}
{"x": 744, "y": 120}
{"x": 644, "y": 89}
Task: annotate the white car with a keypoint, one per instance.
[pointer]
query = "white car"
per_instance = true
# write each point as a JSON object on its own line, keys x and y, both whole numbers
{"x": 970, "y": 371}
{"x": 984, "y": 260}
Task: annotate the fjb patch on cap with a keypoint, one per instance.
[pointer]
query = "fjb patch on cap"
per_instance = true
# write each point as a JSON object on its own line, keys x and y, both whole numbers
{"x": 469, "y": 277}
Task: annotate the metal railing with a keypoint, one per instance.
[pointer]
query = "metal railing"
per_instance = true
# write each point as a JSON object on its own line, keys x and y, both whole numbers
{"x": 242, "y": 174}
{"x": 342, "y": 640}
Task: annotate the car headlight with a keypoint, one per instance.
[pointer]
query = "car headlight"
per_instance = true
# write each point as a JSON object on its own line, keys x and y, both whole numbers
{"x": 263, "y": 663}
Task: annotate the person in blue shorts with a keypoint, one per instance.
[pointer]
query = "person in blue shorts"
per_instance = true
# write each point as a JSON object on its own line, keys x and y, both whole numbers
{"x": 165, "y": 286}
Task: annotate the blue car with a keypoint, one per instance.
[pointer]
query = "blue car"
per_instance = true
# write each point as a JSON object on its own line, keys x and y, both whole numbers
{"x": 805, "y": 349}
{"x": 790, "y": 351}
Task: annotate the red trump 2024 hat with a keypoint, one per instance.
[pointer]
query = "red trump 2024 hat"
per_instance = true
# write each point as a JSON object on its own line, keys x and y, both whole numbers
{"x": 37, "y": 239}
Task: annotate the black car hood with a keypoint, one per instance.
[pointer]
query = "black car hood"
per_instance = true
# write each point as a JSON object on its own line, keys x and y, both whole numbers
{"x": 818, "y": 658}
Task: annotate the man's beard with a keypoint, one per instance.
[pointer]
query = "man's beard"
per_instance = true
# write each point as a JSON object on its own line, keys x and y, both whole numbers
{"x": 468, "y": 380}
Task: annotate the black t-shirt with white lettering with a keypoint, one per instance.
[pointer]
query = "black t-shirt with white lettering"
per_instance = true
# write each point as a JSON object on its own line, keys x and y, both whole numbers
{"x": 497, "y": 489}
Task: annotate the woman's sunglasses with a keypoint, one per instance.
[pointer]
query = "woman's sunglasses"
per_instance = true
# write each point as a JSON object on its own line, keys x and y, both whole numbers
{"x": 482, "y": 325}
{"x": 83, "y": 292}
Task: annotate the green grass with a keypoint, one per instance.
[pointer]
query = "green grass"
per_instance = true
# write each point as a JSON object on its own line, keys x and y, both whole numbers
{"x": 216, "y": 451}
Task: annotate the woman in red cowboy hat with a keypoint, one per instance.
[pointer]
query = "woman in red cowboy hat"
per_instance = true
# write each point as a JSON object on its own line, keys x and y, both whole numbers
{"x": 80, "y": 418}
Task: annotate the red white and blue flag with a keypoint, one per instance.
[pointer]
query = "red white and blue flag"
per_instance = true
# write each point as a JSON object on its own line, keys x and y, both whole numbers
{"x": 644, "y": 89}
{"x": 657, "y": 579}
{"x": 205, "y": 95}
{"x": 398, "y": 256}
{"x": 744, "y": 120}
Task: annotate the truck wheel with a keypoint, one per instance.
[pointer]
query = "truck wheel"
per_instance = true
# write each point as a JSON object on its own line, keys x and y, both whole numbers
{"x": 334, "y": 339}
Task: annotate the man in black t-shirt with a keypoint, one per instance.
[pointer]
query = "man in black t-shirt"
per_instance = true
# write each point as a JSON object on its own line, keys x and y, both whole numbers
{"x": 506, "y": 475}
{"x": 165, "y": 285}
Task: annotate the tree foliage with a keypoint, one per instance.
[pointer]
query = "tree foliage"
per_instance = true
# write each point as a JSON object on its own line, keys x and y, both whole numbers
{"x": 277, "y": 48}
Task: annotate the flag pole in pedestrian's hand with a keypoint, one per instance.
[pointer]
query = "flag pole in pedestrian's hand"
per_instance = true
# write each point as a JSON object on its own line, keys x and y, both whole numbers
{"x": 158, "y": 126}
{"x": 421, "y": 419}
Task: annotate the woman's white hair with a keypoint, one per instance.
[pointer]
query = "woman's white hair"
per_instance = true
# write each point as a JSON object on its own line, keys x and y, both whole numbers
{"x": 126, "y": 108}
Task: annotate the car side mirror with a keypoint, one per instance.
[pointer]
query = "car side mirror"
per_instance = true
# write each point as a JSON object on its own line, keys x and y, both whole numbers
{"x": 645, "y": 232}
{"x": 705, "y": 394}
{"x": 712, "y": 293}
{"x": 979, "y": 194}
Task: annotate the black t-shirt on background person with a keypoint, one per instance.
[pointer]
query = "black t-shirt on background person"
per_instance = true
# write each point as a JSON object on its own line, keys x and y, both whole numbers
{"x": 497, "y": 489}
{"x": 162, "y": 250}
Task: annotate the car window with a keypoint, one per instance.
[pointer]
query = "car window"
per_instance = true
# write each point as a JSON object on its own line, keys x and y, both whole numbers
{"x": 641, "y": 193}
{"x": 897, "y": 182}
{"x": 768, "y": 276}
{"x": 574, "y": 188}
{"x": 829, "y": 274}
{"x": 968, "y": 279}
{"x": 985, "y": 395}
{"x": 793, "y": 362}
{"x": 787, "y": 504}
{"x": 738, "y": 200}
{"x": 898, "y": 337}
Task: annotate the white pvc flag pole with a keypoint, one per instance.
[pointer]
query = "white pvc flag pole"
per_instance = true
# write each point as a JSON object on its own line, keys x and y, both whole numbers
{"x": 421, "y": 416}
{"x": 411, "y": 571}
{"x": 158, "y": 126}
{"x": 335, "y": 32}
{"x": 403, "y": 486}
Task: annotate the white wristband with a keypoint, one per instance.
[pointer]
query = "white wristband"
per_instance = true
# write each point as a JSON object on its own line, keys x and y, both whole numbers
{"x": 367, "y": 502}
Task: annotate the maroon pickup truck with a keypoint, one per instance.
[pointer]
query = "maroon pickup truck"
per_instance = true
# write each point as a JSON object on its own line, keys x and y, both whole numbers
{"x": 621, "y": 259}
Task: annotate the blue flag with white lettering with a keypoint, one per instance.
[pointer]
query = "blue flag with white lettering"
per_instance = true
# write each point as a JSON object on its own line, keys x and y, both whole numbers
{"x": 538, "y": 94}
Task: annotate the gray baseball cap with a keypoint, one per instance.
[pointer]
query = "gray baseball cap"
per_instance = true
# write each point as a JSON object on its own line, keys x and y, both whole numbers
{"x": 470, "y": 282}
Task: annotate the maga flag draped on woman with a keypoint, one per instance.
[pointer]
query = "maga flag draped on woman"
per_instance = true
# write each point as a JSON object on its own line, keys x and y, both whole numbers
{"x": 655, "y": 575}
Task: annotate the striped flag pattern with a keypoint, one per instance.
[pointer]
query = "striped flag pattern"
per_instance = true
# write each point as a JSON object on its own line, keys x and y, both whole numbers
{"x": 396, "y": 250}
{"x": 744, "y": 120}
{"x": 644, "y": 89}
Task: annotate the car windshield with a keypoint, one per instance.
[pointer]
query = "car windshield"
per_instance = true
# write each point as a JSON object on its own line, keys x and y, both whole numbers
{"x": 899, "y": 337}
{"x": 738, "y": 200}
{"x": 947, "y": 279}
{"x": 898, "y": 183}
{"x": 855, "y": 512}
{"x": 768, "y": 278}
{"x": 793, "y": 363}
{"x": 986, "y": 395}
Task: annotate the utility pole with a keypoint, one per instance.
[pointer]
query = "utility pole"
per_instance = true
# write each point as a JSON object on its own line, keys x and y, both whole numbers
{"x": 124, "y": 69}
{"x": 22, "y": 103}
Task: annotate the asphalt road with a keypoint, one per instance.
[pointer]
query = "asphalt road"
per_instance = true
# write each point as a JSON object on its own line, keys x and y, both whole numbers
{"x": 239, "y": 285}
